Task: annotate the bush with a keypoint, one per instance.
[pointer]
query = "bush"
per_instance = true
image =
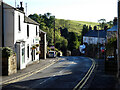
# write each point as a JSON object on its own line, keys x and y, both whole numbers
{"x": 6, "y": 51}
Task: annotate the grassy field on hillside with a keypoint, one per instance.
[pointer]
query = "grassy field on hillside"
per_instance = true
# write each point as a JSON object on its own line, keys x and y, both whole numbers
{"x": 72, "y": 25}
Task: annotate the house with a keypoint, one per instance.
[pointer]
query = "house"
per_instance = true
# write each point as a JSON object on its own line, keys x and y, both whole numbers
{"x": 94, "y": 37}
{"x": 43, "y": 45}
{"x": 112, "y": 32}
{"x": 21, "y": 34}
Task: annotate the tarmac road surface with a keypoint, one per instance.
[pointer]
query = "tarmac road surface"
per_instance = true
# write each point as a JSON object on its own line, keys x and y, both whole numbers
{"x": 67, "y": 73}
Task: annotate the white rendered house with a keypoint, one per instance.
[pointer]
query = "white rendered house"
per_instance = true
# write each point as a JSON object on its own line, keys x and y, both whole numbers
{"x": 94, "y": 37}
{"x": 20, "y": 34}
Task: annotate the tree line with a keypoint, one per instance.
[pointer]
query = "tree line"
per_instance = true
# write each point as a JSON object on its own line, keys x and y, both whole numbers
{"x": 65, "y": 40}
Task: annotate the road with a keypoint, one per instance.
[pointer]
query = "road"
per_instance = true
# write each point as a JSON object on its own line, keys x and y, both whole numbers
{"x": 66, "y": 73}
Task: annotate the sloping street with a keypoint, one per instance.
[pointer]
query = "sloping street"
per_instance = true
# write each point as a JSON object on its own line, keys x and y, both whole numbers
{"x": 69, "y": 72}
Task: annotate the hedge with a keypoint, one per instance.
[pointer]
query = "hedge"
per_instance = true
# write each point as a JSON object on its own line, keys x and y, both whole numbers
{"x": 6, "y": 51}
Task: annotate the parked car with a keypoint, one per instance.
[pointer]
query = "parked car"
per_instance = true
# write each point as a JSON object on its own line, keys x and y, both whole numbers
{"x": 52, "y": 54}
{"x": 102, "y": 49}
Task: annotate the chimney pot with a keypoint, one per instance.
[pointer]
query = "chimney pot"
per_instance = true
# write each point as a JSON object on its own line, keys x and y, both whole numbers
{"x": 21, "y": 8}
{"x": 21, "y": 4}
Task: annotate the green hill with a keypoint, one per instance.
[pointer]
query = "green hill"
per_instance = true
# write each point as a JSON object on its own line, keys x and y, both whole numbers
{"x": 72, "y": 25}
{"x": 63, "y": 40}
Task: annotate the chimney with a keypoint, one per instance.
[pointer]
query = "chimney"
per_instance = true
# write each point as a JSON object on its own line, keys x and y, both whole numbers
{"x": 21, "y": 7}
{"x": 115, "y": 21}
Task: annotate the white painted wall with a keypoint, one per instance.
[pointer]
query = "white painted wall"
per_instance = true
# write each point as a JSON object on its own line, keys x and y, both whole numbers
{"x": 93, "y": 40}
{"x": 13, "y": 35}
{"x": 31, "y": 41}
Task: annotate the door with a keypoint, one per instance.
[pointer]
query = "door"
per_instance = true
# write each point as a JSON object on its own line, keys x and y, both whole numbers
{"x": 33, "y": 55}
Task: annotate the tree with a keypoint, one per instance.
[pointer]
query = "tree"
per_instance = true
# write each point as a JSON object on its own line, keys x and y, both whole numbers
{"x": 73, "y": 42}
{"x": 46, "y": 22}
{"x": 64, "y": 32}
{"x": 61, "y": 44}
{"x": 110, "y": 23}
{"x": 102, "y": 23}
{"x": 84, "y": 31}
{"x": 90, "y": 28}
{"x": 49, "y": 38}
{"x": 95, "y": 27}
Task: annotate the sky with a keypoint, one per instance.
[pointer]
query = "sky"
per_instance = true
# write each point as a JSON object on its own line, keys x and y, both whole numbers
{"x": 80, "y": 10}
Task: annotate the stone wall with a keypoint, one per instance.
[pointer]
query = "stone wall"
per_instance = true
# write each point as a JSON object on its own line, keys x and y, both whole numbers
{"x": 43, "y": 45}
{"x": 9, "y": 65}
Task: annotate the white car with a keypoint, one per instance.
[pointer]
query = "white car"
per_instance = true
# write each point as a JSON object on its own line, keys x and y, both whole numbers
{"x": 52, "y": 54}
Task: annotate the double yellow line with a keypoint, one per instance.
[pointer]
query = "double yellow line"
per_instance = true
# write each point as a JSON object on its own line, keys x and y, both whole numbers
{"x": 86, "y": 77}
{"x": 25, "y": 75}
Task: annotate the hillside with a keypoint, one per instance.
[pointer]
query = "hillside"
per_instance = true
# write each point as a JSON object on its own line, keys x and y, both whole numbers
{"x": 67, "y": 32}
{"x": 72, "y": 25}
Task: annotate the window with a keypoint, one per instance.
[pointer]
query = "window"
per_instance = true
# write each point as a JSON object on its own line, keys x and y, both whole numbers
{"x": 28, "y": 51}
{"x": 19, "y": 28}
{"x": 27, "y": 30}
{"x": 36, "y": 30}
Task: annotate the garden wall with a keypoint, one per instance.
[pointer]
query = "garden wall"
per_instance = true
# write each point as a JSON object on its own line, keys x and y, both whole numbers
{"x": 9, "y": 65}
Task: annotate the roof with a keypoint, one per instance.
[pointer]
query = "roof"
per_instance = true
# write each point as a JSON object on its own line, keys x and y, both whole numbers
{"x": 113, "y": 29}
{"x": 30, "y": 21}
{"x": 11, "y": 7}
{"x": 94, "y": 33}
{"x": 42, "y": 31}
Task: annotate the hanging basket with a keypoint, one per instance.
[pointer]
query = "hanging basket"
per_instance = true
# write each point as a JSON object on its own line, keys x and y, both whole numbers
{"x": 38, "y": 52}
{"x": 33, "y": 47}
{"x": 37, "y": 45}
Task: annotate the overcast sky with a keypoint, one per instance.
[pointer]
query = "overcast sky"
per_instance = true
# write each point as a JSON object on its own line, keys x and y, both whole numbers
{"x": 80, "y": 10}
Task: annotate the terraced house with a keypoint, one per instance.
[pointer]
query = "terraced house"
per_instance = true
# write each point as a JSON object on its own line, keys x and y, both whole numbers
{"x": 21, "y": 34}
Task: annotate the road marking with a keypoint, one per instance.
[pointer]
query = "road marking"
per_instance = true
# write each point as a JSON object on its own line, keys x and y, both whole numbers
{"x": 20, "y": 77}
{"x": 86, "y": 77}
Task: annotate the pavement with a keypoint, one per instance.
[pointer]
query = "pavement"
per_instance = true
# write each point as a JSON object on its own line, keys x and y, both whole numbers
{"x": 102, "y": 79}
{"x": 29, "y": 70}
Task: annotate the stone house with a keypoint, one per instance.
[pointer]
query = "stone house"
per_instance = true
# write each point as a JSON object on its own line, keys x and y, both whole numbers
{"x": 43, "y": 45}
{"x": 112, "y": 32}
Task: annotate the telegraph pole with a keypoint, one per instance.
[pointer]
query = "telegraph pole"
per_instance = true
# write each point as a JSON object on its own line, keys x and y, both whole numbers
{"x": 2, "y": 15}
{"x": 54, "y": 32}
{"x": 1, "y": 24}
{"x": 98, "y": 41}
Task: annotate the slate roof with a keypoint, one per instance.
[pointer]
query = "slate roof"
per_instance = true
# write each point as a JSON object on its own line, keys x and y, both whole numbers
{"x": 94, "y": 33}
{"x": 113, "y": 29}
{"x": 12, "y": 7}
{"x": 27, "y": 19}
{"x": 30, "y": 21}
